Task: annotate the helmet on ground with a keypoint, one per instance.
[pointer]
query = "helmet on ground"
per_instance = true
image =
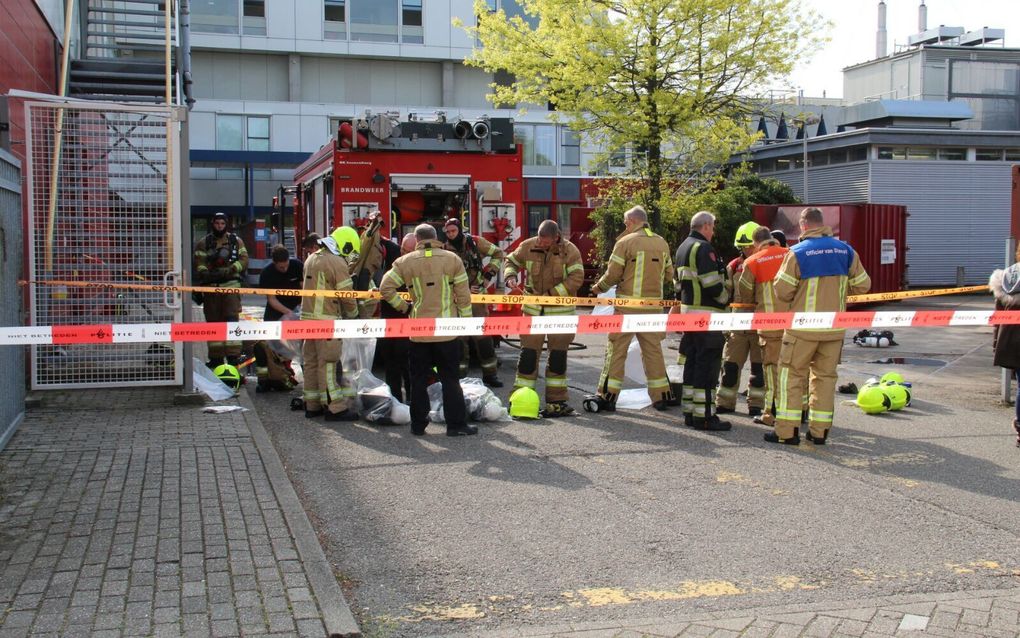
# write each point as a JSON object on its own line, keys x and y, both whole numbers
{"x": 892, "y": 377}
{"x": 871, "y": 382}
{"x": 229, "y": 375}
{"x": 524, "y": 403}
{"x": 745, "y": 234}
{"x": 899, "y": 396}
{"x": 347, "y": 240}
{"x": 873, "y": 400}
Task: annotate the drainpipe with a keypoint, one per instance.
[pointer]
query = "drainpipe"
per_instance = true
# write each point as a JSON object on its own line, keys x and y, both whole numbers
{"x": 185, "y": 51}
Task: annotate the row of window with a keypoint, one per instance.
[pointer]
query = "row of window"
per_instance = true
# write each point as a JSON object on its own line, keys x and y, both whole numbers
{"x": 355, "y": 20}
{"x": 838, "y": 156}
{"x": 860, "y": 153}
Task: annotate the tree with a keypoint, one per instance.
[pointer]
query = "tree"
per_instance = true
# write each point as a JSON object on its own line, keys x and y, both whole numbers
{"x": 669, "y": 82}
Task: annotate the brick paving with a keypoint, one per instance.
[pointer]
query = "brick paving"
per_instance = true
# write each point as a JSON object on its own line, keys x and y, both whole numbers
{"x": 125, "y": 515}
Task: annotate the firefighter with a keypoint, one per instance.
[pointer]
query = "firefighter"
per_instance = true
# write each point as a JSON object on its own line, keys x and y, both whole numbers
{"x": 327, "y": 269}
{"x": 472, "y": 250}
{"x": 283, "y": 273}
{"x": 553, "y": 268}
{"x": 741, "y": 344}
{"x": 755, "y": 287}
{"x": 438, "y": 285}
{"x": 368, "y": 268}
{"x": 221, "y": 260}
{"x": 639, "y": 268}
{"x": 701, "y": 286}
{"x": 816, "y": 276}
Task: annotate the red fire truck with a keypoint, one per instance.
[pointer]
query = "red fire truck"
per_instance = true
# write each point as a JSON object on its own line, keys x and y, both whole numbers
{"x": 425, "y": 169}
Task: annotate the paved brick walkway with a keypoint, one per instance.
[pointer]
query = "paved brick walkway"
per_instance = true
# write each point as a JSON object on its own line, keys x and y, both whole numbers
{"x": 125, "y": 515}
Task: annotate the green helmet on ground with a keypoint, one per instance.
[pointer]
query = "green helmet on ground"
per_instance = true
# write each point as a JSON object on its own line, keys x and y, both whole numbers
{"x": 892, "y": 377}
{"x": 347, "y": 240}
{"x": 229, "y": 375}
{"x": 745, "y": 235}
{"x": 873, "y": 400}
{"x": 899, "y": 396}
{"x": 524, "y": 403}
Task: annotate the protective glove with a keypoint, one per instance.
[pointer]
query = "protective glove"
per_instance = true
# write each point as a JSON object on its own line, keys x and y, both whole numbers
{"x": 219, "y": 275}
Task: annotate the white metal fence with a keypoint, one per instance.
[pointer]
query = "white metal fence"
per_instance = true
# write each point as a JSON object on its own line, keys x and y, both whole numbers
{"x": 100, "y": 184}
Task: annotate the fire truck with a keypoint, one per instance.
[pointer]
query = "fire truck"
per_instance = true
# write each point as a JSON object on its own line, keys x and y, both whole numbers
{"x": 426, "y": 169}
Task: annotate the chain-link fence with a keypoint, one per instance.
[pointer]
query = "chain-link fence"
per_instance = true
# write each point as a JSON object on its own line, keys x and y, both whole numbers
{"x": 98, "y": 189}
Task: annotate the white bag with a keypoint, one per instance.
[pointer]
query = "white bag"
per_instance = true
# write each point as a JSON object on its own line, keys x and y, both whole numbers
{"x": 208, "y": 383}
{"x": 633, "y": 399}
{"x": 480, "y": 402}
{"x": 605, "y": 310}
{"x": 375, "y": 403}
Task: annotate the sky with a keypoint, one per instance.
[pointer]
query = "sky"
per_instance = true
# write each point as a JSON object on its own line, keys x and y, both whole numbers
{"x": 855, "y": 22}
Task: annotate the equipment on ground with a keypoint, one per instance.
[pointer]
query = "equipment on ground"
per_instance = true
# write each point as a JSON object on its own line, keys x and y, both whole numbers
{"x": 595, "y": 403}
{"x": 899, "y": 395}
{"x": 229, "y": 375}
{"x": 892, "y": 377}
{"x": 524, "y": 403}
{"x": 872, "y": 399}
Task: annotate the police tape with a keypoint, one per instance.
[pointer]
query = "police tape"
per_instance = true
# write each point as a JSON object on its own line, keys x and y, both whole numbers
{"x": 485, "y": 298}
{"x": 464, "y": 327}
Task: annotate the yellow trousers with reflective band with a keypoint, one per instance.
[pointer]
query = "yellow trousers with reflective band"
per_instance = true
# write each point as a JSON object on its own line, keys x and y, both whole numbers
{"x": 555, "y": 381}
{"x": 739, "y": 347}
{"x": 321, "y": 362}
{"x": 611, "y": 379}
{"x": 770, "y": 344}
{"x": 811, "y": 364}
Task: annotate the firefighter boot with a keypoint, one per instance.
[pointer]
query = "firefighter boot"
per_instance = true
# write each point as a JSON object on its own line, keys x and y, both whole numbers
{"x": 772, "y": 437}
{"x": 554, "y": 409}
{"x": 597, "y": 403}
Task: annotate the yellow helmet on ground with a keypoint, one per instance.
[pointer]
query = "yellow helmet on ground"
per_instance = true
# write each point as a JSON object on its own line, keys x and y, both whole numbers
{"x": 892, "y": 377}
{"x": 229, "y": 375}
{"x": 745, "y": 235}
{"x": 524, "y": 403}
{"x": 873, "y": 400}
{"x": 347, "y": 240}
{"x": 899, "y": 395}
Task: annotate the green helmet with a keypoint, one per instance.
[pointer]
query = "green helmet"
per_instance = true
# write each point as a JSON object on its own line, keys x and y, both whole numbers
{"x": 745, "y": 235}
{"x": 524, "y": 403}
{"x": 229, "y": 375}
{"x": 892, "y": 377}
{"x": 899, "y": 395}
{"x": 873, "y": 400}
{"x": 347, "y": 240}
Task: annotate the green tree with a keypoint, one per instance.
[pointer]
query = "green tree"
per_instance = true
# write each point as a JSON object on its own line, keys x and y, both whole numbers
{"x": 670, "y": 83}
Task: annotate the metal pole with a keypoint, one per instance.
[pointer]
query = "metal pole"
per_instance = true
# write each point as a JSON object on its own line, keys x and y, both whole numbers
{"x": 807, "y": 196}
{"x": 1007, "y": 376}
{"x": 186, "y": 248}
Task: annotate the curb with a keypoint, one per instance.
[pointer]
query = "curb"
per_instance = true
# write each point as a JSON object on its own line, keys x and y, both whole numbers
{"x": 336, "y": 613}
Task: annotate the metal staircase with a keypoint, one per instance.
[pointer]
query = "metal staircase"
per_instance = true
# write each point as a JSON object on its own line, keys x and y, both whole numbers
{"x": 123, "y": 53}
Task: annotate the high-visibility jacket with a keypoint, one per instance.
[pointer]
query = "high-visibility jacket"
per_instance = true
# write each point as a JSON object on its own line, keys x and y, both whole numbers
{"x": 221, "y": 261}
{"x": 326, "y": 271}
{"x": 639, "y": 267}
{"x": 556, "y": 271}
{"x": 473, "y": 250}
{"x": 817, "y": 275}
{"x": 436, "y": 280}
{"x": 701, "y": 281}
{"x": 754, "y": 286}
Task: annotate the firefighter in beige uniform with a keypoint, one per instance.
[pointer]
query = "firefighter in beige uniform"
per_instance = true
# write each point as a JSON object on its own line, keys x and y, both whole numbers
{"x": 221, "y": 260}
{"x": 817, "y": 275}
{"x": 553, "y": 268}
{"x": 327, "y": 270}
{"x": 639, "y": 268}
{"x": 741, "y": 345}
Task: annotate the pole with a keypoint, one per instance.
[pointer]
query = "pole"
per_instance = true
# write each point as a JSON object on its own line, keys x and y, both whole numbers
{"x": 807, "y": 196}
{"x": 1007, "y": 377}
{"x": 65, "y": 54}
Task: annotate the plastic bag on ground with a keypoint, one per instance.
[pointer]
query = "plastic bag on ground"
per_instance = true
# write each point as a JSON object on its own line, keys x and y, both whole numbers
{"x": 208, "y": 383}
{"x": 605, "y": 310}
{"x": 633, "y": 399}
{"x": 357, "y": 354}
{"x": 376, "y": 403}
{"x": 481, "y": 403}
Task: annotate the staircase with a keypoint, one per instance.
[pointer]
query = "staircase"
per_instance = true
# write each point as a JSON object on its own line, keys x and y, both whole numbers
{"x": 123, "y": 52}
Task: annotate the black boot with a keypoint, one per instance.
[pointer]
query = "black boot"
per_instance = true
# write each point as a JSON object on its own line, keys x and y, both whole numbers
{"x": 712, "y": 424}
{"x": 772, "y": 437}
{"x": 492, "y": 381}
{"x": 817, "y": 440}
{"x": 688, "y": 419}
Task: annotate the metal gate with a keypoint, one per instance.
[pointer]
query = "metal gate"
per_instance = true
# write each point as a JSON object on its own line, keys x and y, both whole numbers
{"x": 12, "y": 359}
{"x": 104, "y": 207}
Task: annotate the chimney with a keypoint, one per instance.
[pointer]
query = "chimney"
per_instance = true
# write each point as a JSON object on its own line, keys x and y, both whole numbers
{"x": 922, "y": 18}
{"x": 880, "y": 37}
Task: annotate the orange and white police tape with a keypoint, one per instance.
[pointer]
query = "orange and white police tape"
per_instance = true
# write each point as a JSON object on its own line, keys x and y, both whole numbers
{"x": 572, "y": 324}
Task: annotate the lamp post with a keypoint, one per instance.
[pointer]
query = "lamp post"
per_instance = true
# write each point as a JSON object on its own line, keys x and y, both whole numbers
{"x": 803, "y": 123}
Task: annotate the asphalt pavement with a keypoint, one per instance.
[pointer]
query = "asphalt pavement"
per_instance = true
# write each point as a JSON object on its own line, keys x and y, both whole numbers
{"x": 631, "y": 524}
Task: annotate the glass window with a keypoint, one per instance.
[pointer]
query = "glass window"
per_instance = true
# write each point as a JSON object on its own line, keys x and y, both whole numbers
{"x": 215, "y": 16}
{"x": 524, "y": 135}
{"x": 819, "y": 159}
{"x": 1013, "y": 154}
{"x": 954, "y": 154}
{"x": 254, "y": 19}
{"x": 229, "y": 133}
{"x": 568, "y": 190}
{"x": 538, "y": 189}
{"x": 258, "y": 134}
{"x": 411, "y": 31}
{"x": 857, "y": 154}
{"x": 988, "y": 154}
{"x": 895, "y": 153}
{"x": 374, "y": 21}
{"x": 767, "y": 166}
{"x": 618, "y": 159}
{"x": 545, "y": 145}
{"x": 784, "y": 164}
{"x": 537, "y": 215}
{"x": 921, "y": 153}
{"x": 837, "y": 157}
{"x": 570, "y": 147}
{"x": 335, "y": 17}
{"x": 513, "y": 8}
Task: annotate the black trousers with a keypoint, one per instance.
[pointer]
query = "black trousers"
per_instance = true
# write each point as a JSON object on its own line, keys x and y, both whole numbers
{"x": 701, "y": 369}
{"x": 445, "y": 356}
{"x": 395, "y": 352}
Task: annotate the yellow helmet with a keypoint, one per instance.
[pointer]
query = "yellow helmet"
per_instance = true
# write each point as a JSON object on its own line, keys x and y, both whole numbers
{"x": 872, "y": 399}
{"x": 524, "y": 403}
{"x": 899, "y": 395}
{"x": 892, "y": 377}
{"x": 348, "y": 242}
{"x": 745, "y": 235}
{"x": 229, "y": 375}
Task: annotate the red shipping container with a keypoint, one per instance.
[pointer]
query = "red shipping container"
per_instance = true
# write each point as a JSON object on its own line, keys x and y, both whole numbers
{"x": 878, "y": 232}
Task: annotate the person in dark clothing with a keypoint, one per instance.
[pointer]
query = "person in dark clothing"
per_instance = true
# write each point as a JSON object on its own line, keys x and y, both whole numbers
{"x": 395, "y": 351}
{"x": 284, "y": 273}
{"x": 1005, "y": 285}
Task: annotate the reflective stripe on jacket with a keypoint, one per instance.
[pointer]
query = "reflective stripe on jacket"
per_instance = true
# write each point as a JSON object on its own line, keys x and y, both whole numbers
{"x": 475, "y": 249}
{"x": 639, "y": 267}
{"x": 326, "y": 271}
{"x": 701, "y": 281}
{"x": 436, "y": 280}
{"x": 556, "y": 271}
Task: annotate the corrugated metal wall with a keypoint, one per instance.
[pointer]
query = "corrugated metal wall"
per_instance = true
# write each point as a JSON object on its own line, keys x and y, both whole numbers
{"x": 837, "y": 184}
{"x": 959, "y": 216}
{"x": 12, "y": 358}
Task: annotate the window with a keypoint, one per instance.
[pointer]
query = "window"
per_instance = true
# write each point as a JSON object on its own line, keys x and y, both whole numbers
{"x": 953, "y": 154}
{"x": 539, "y": 142}
{"x": 618, "y": 159}
{"x": 258, "y": 134}
{"x": 921, "y": 153}
{"x": 374, "y": 20}
{"x": 1013, "y": 154}
{"x": 411, "y": 31}
{"x": 857, "y": 154}
{"x": 784, "y": 164}
{"x": 766, "y": 166}
{"x": 335, "y": 20}
{"x": 215, "y": 16}
{"x": 254, "y": 18}
{"x": 242, "y": 133}
{"x": 988, "y": 154}
{"x": 819, "y": 159}
{"x": 570, "y": 147}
